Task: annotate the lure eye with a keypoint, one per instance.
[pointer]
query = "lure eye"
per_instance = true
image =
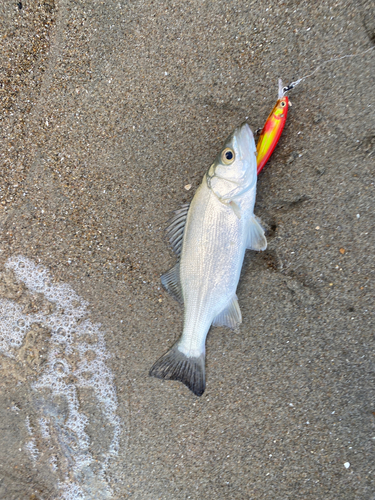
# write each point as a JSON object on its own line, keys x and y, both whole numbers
{"x": 227, "y": 156}
{"x": 283, "y": 104}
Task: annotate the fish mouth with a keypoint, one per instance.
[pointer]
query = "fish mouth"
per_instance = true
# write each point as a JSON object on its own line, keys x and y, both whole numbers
{"x": 245, "y": 139}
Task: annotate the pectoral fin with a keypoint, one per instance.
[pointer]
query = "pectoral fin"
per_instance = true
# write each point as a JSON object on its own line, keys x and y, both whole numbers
{"x": 255, "y": 236}
{"x": 231, "y": 316}
{"x": 235, "y": 208}
{"x": 171, "y": 282}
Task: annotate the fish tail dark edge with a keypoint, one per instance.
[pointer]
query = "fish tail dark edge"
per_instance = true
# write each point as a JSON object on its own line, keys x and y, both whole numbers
{"x": 174, "y": 365}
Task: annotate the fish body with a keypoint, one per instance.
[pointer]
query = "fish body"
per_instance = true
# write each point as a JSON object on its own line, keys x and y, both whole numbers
{"x": 211, "y": 237}
{"x": 212, "y": 254}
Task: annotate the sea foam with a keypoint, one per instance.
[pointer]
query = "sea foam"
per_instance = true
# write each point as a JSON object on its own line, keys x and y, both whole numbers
{"x": 76, "y": 362}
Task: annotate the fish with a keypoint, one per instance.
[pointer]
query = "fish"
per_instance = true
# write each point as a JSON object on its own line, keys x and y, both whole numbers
{"x": 271, "y": 132}
{"x": 210, "y": 236}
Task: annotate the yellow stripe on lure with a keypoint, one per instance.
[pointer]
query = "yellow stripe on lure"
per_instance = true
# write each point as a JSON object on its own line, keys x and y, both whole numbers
{"x": 272, "y": 129}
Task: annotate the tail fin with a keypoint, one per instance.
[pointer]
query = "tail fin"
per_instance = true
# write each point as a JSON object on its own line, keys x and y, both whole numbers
{"x": 174, "y": 365}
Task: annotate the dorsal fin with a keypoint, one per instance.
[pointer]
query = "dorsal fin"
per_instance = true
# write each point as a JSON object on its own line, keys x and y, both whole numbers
{"x": 171, "y": 282}
{"x": 175, "y": 229}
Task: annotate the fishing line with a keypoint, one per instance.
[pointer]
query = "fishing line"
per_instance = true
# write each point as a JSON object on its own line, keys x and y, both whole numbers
{"x": 292, "y": 85}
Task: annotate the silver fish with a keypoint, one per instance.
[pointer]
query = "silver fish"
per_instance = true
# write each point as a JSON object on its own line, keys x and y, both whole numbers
{"x": 211, "y": 236}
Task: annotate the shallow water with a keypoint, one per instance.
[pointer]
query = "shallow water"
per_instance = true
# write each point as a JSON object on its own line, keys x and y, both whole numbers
{"x": 71, "y": 366}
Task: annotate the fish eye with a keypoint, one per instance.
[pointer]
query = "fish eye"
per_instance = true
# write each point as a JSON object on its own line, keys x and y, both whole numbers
{"x": 283, "y": 104}
{"x": 227, "y": 156}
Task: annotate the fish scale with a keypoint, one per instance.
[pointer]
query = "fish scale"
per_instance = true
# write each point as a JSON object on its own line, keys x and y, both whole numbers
{"x": 218, "y": 276}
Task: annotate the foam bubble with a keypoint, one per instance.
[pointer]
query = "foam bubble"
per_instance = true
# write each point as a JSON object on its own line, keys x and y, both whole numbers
{"x": 76, "y": 361}
{"x": 14, "y": 326}
{"x": 28, "y": 426}
{"x": 53, "y": 463}
{"x": 44, "y": 428}
{"x": 32, "y": 449}
{"x": 71, "y": 491}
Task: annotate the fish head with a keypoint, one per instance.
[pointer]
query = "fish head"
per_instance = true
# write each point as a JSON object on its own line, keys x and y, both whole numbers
{"x": 234, "y": 170}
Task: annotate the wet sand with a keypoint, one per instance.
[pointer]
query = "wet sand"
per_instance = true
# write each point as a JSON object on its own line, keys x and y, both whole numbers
{"x": 109, "y": 109}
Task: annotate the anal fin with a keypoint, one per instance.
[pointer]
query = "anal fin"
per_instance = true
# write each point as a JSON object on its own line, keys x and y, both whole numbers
{"x": 230, "y": 316}
{"x": 171, "y": 282}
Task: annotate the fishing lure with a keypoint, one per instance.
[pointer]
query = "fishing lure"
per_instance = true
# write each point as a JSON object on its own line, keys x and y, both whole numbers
{"x": 270, "y": 135}
{"x": 275, "y": 123}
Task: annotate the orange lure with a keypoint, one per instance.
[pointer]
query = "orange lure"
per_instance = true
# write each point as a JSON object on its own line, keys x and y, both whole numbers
{"x": 272, "y": 130}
